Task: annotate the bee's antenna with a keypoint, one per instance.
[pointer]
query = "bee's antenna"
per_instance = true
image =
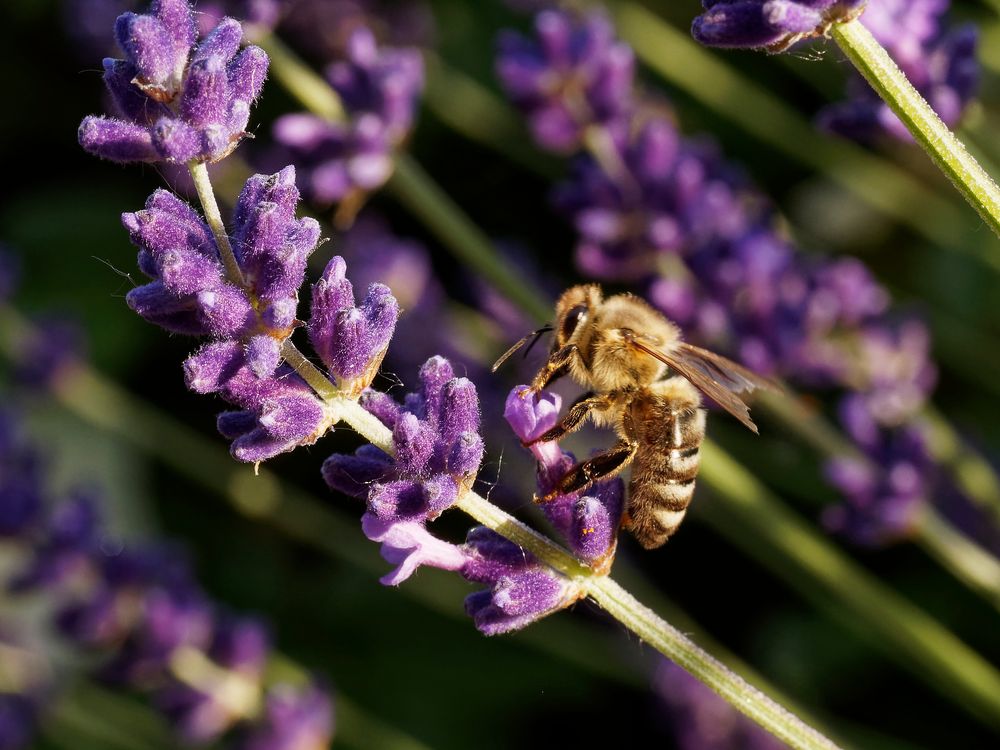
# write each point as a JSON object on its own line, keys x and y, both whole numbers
{"x": 538, "y": 334}
{"x": 506, "y": 355}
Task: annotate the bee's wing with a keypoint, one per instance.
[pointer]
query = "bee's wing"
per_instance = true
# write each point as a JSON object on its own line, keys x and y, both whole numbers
{"x": 718, "y": 378}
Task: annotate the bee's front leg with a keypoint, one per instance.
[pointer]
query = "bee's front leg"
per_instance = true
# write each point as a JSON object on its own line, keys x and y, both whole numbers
{"x": 575, "y": 417}
{"x": 555, "y": 367}
{"x": 602, "y": 466}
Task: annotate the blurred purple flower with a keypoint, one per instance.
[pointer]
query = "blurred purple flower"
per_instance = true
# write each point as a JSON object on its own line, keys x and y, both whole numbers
{"x": 574, "y": 75}
{"x": 21, "y": 501}
{"x": 323, "y": 28}
{"x": 887, "y": 486}
{"x": 940, "y": 62}
{"x": 773, "y": 25}
{"x": 49, "y": 352}
{"x": 18, "y": 718}
{"x": 177, "y": 98}
{"x": 294, "y": 719}
{"x": 379, "y": 88}
{"x": 703, "y": 245}
{"x": 138, "y": 610}
{"x": 701, "y": 720}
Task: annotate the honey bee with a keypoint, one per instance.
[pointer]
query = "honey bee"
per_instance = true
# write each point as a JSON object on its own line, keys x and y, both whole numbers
{"x": 646, "y": 383}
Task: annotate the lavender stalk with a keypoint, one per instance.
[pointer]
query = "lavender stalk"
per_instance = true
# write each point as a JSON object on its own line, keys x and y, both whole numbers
{"x": 946, "y": 150}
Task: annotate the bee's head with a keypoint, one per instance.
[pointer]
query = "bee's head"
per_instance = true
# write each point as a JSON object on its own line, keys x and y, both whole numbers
{"x": 573, "y": 309}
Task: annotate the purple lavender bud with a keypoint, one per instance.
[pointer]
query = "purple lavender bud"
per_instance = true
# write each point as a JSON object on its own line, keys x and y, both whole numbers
{"x": 337, "y": 159}
{"x": 284, "y": 422}
{"x": 774, "y": 25}
{"x": 354, "y": 474}
{"x": 383, "y": 406}
{"x": 522, "y": 591}
{"x": 576, "y": 75}
{"x": 412, "y": 500}
{"x": 465, "y": 455}
{"x": 384, "y": 82}
{"x": 294, "y": 719}
{"x": 149, "y": 49}
{"x": 209, "y": 89}
{"x": 117, "y": 140}
{"x": 408, "y": 545}
{"x": 414, "y": 441}
{"x": 212, "y": 366}
{"x": 350, "y": 340}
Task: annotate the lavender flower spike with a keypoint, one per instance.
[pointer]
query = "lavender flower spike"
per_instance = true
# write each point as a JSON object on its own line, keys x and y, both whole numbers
{"x": 177, "y": 99}
{"x": 576, "y": 75}
{"x": 435, "y": 433}
{"x": 773, "y": 25}
{"x": 343, "y": 162}
{"x": 351, "y": 340}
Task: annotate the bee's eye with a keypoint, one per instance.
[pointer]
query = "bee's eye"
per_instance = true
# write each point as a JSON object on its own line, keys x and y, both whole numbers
{"x": 573, "y": 318}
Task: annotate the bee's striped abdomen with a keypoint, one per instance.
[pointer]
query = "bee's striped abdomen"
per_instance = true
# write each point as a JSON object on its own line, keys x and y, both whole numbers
{"x": 669, "y": 426}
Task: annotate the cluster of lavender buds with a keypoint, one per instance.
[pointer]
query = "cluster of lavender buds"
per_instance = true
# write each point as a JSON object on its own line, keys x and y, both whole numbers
{"x": 143, "y": 622}
{"x": 701, "y": 720}
{"x": 250, "y": 319}
{"x": 178, "y": 98}
{"x": 774, "y": 25}
{"x": 575, "y": 75}
{"x": 940, "y": 62}
{"x": 322, "y": 28}
{"x": 683, "y": 227}
{"x": 438, "y": 451}
{"x": 342, "y": 162}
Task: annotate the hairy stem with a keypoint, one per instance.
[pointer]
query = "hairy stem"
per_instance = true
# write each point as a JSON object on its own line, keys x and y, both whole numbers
{"x": 950, "y": 155}
{"x": 210, "y": 207}
{"x": 966, "y": 560}
{"x": 619, "y": 604}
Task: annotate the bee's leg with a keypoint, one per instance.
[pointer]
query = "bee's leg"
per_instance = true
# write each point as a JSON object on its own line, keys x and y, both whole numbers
{"x": 575, "y": 417}
{"x": 555, "y": 367}
{"x": 602, "y": 466}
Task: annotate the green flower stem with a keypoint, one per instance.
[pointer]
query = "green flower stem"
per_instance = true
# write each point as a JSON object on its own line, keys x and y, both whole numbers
{"x": 742, "y": 508}
{"x": 300, "y": 80}
{"x": 979, "y": 688}
{"x": 973, "y": 473}
{"x": 953, "y": 550}
{"x": 619, "y": 604}
{"x": 877, "y": 182}
{"x": 308, "y": 371}
{"x": 950, "y": 155}
{"x": 203, "y": 185}
{"x": 978, "y": 569}
{"x": 423, "y": 197}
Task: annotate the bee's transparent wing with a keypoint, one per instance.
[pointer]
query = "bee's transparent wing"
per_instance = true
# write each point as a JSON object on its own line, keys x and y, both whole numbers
{"x": 717, "y": 377}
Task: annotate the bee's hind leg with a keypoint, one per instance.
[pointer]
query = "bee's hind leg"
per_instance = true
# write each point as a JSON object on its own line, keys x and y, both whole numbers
{"x": 602, "y": 466}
